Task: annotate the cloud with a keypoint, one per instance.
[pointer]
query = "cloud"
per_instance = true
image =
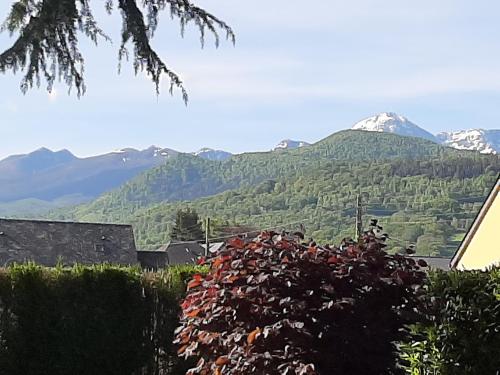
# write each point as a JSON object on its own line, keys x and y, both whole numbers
{"x": 282, "y": 78}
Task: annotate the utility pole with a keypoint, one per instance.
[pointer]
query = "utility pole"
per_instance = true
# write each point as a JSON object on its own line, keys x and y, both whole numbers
{"x": 207, "y": 236}
{"x": 359, "y": 218}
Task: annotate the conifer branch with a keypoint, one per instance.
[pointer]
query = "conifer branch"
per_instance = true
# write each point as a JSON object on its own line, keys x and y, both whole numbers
{"x": 47, "y": 45}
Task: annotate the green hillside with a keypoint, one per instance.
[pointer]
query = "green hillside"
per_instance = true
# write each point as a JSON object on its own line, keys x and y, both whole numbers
{"x": 422, "y": 192}
{"x": 187, "y": 177}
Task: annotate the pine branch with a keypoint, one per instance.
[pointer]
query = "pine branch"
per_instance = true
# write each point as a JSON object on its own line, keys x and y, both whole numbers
{"x": 47, "y": 45}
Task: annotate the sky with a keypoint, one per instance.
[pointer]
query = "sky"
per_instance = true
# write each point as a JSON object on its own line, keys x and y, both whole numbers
{"x": 299, "y": 70}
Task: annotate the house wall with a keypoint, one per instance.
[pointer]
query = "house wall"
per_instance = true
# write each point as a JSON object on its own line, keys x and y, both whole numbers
{"x": 483, "y": 250}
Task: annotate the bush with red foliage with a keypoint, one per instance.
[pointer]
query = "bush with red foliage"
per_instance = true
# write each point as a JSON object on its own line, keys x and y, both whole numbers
{"x": 276, "y": 306}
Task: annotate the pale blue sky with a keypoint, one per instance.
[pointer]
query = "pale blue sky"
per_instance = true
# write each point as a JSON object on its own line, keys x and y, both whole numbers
{"x": 299, "y": 70}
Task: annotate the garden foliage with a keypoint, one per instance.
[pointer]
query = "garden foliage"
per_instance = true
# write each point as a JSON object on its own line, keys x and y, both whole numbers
{"x": 89, "y": 320}
{"x": 276, "y": 306}
{"x": 461, "y": 333}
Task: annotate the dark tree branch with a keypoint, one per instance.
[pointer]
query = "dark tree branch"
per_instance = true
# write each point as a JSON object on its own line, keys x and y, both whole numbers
{"x": 47, "y": 45}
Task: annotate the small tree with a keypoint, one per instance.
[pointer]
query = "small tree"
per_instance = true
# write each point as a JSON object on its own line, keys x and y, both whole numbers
{"x": 187, "y": 226}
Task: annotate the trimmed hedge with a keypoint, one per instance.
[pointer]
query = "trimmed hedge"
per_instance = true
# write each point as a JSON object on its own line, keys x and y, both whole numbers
{"x": 89, "y": 320}
{"x": 461, "y": 331}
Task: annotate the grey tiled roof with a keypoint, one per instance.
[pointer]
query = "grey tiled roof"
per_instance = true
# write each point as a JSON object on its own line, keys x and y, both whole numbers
{"x": 50, "y": 242}
{"x": 184, "y": 252}
{"x": 171, "y": 254}
{"x": 436, "y": 262}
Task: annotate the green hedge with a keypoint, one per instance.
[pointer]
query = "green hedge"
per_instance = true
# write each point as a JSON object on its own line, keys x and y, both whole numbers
{"x": 89, "y": 320}
{"x": 461, "y": 331}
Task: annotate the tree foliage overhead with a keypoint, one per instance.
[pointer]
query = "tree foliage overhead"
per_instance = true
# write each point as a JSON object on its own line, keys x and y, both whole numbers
{"x": 47, "y": 47}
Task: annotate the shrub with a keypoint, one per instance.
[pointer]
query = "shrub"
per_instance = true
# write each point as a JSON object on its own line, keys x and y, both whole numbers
{"x": 276, "y": 306}
{"x": 89, "y": 320}
{"x": 461, "y": 332}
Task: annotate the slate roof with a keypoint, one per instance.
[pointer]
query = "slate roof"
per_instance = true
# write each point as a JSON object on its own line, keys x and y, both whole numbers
{"x": 50, "y": 242}
{"x": 172, "y": 253}
{"x": 438, "y": 263}
{"x": 183, "y": 252}
{"x": 214, "y": 247}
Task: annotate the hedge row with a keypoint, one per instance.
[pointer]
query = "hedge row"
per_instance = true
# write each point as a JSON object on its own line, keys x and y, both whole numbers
{"x": 112, "y": 320}
{"x": 461, "y": 330}
{"x": 89, "y": 320}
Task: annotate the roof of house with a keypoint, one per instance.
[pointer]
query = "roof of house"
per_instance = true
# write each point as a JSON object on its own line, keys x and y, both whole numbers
{"x": 478, "y": 221}
{"x": 214, "y": 247}
{"x": 183, "y": 252}
{"x": 437, "y": 263}
{"x": 52, "y": 242}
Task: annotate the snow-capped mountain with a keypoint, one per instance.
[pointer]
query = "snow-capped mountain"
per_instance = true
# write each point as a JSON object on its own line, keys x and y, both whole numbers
{"x": 484, "y": 141}
{"x": 152, "y": 152}
{"x": 393, "y": 123}
{"x": 211, "y": 154}
{"x": 48, "y": 175}
{"x": 288, "y": 144}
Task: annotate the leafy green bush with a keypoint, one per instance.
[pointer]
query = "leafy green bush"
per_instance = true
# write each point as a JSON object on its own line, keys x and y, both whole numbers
{"x": 461, "y": 332}
{"x": 89, "y": 320}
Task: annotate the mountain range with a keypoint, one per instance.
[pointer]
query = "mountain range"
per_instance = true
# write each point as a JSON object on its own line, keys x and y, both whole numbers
{"x": 43, "y": 180}
{"x": 402, "y": 180}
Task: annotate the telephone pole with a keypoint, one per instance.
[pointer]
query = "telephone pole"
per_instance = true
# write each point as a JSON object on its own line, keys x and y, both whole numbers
{"x": 359, "y": 218}
{"x": 207, "y": 236}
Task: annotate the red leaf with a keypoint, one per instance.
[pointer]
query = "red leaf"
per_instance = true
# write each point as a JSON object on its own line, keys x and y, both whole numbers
{"x": 253, "y": 335}
{"x": 334, "y": 259}
{"x": 193, "y": 284}
{"x": 237, "y": 243}
{"x": 193, "y": 313}
{"x": 221, "y": 361}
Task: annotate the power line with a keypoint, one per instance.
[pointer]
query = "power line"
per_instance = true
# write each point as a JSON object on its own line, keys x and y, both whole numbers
{"x": 260, "y": 230}
{"x": 241, "y": 233}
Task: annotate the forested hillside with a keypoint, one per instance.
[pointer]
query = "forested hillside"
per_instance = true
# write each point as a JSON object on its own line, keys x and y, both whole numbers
{"x": 422, "y": 192}
{"x": 188, "y": 177}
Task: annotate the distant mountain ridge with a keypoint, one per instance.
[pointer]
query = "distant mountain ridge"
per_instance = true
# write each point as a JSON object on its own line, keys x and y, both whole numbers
{"x": 289, "y": 144}
{"x": 48, "y": 175}
{"x": 211, "y": 154}
{"x": 45, "y": 178}
{"x": 275, "y": 188}
{"x": 484, "y": 141}
{"x": 389, "y": 122}
{"x": 188, "y": 177}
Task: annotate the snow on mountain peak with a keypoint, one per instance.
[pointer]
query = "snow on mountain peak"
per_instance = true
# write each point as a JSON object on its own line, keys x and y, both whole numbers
{"x": 211, "y": 154}
{"x": 288, "y": 144}
{"x": 484, "y": 141}
{"x": 390, "y": 122}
